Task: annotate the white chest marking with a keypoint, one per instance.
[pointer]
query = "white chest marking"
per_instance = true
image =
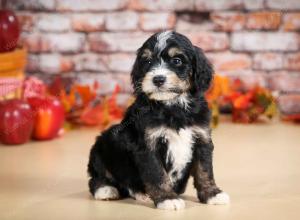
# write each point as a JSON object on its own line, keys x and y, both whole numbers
{"x": 180, "y": 145}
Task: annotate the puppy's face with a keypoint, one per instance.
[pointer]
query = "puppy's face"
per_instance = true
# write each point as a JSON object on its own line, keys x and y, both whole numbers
{"x": 167, "y": 66}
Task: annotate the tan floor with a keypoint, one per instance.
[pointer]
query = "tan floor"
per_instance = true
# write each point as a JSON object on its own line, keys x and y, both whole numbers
{"x": 258, "y": 165}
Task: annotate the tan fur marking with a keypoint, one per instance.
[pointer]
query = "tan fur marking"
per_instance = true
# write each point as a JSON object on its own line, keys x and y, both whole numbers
{"x": 173, "y": 51}
{"x": 147, "y": 54}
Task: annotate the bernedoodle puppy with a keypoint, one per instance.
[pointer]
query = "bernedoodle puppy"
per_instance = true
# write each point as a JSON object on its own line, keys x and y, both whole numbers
{"x": 165, "y": 136}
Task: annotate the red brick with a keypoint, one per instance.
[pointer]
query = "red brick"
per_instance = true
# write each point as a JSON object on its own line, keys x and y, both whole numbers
{"x": 53, "y": 23}
{"x": 69, "y": 42}
{"x": 90, "y": 62}
{"x": 34, "y": 42}
{"x": 157, "y": 21}
{"x": 120, "y": 62}
{"x": 227, "y": 61}
{"x": 291, "y": 21}
{"x": 209, "y": 41}
{"x": 111, "y": 42}
{"x": 54, "y": 63}
{"x": 88, "y": 22}
{"x": 124, "y": 81}
{"x": 289, "y": 103}
{"x": 283, "y": 5}
{"x": 90, "y": 5}
{"x": 250, "y": 78}
{"x": 32, "y": 63}
{"x": 268, "y": 61}
{"x": 58, "y": 42}
{"x": 265, "y": 20}
{"x": 186, "y": 5}
{"x": 205, "y": 5}
{"x": 253, "y": 4}
{"x": 284, "y": 81}
{"x": 107, "y": 81}
{"x": 263, "y": 41}
{"x": 26, "y": 20}
{"x": 228, "y": 21}
{"x": 152, "y": 5}
{"x": 39, "y": 5}
{"x": 120, "y": 21}
{"x": 292, "y": 61}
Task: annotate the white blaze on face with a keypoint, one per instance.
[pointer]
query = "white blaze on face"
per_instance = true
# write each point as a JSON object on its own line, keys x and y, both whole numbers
{"x": 162, "y": 39}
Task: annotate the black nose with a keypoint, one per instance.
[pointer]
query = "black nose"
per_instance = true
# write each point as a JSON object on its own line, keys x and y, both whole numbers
{"x": 159, "y": 80}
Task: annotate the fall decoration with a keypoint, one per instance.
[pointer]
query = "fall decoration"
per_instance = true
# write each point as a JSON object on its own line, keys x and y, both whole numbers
{"x": 245, "y": 105}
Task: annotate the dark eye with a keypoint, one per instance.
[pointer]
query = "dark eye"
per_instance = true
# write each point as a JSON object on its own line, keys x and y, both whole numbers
{"x": 149, "y": 61}
{"x": 176, "y": 61}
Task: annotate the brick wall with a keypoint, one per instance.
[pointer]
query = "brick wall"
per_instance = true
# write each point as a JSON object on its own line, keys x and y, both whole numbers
{"x": 255, "y": 40}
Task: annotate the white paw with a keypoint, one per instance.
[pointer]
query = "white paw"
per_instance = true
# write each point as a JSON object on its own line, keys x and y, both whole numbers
{"x": 171, "y": 204}
{"x": 106, "y": 193}
{"x": 219, "y": 199}
{"x": 142, "y": 197}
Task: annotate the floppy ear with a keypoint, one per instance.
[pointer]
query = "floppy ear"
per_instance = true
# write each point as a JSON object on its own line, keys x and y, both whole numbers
{"x": 202, "y": 71}
{"x": 135, "y": 73}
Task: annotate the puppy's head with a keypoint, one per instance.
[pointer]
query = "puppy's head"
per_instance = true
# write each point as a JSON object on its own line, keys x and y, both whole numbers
{"x": 168, "y": 65}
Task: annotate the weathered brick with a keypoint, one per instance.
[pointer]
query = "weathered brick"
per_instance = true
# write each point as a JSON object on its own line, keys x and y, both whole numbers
{"x": 263, "y": 41}
{"x": 120, "y": 62}
{"x": 157, "y": 21}
{"x": 39, "y": 5}
{"x": 283, "y": 5}
{"x": 90, "y": 62}
{"x": 90, "y": 5}
{"x": 53, "y": 23}
{"x": 289, "y": 103}
{"x": 186, "y": 21}
{"x": 253, "y": 4}
{"x": 228, "y": 21}
{"x": 292, "y": 61}
{"x": 186, "y": 5}
{"x": 54, "y": 63}
{"x": 120, "y": 21}
{"x": 204, "y": 5}
{"x": 32, "y": 63}
{"x": 111, "y": 42}
{"x": 67, "y": 42}
{"x": 26, "y": 20}
{"x": 124, "y": 81}
{"x": 268, "y": 61}
{"x": 284, "y": 81}
{"x": 291, "y": 21}
{"x": 227, "y": 61}
{"x": 88, "y": 22}
{"x": 152, "y": 5}
{"x": 265, "y": 20}
{"x": 106, "y": 81}
{"x": 34, "y": 42}
{"x": 249, "y": 78}
{"x": 209, "y": 41}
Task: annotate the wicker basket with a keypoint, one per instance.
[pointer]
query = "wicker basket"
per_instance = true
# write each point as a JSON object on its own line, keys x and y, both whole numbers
{"x": 12, "y": 66}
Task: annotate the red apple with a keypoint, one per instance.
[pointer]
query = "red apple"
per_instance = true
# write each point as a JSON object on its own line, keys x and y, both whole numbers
{"x": 49, "y": 117}
{"x": 16, "y": 121}
{"x": 9, "y": 31}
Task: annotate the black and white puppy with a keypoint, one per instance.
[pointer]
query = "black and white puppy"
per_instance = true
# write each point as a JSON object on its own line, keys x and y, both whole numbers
{"x": 164, "y": 137}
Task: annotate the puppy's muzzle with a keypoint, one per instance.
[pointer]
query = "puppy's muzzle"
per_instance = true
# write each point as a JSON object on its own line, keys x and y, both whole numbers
{"x": 159, "y": 80}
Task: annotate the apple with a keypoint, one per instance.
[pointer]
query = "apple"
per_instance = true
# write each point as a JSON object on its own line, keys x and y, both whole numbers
{"x": 9, "y": 31}
{"x": 16, "y": 121}
{"x": 49, "y": 117}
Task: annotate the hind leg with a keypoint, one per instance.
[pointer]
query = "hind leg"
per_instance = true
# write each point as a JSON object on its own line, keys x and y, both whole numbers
{"x": 101, "y": 184}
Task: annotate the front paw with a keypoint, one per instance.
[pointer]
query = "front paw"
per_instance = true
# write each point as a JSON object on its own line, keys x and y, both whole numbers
{"x": 171, "y": 204}
{"x": 221, "y": 198}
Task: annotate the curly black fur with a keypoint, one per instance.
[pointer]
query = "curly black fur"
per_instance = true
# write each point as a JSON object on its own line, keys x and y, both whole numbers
{"x": 121, "y": 156}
